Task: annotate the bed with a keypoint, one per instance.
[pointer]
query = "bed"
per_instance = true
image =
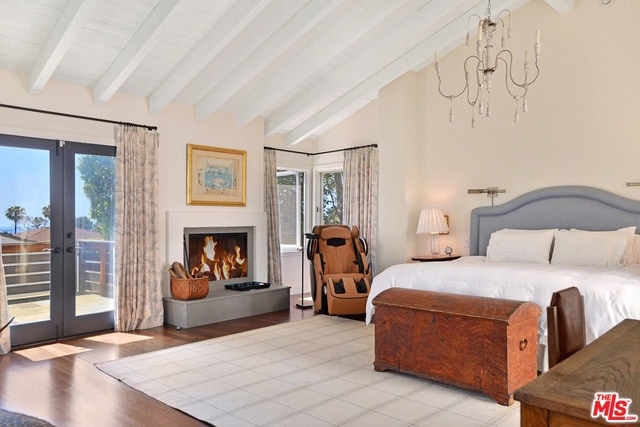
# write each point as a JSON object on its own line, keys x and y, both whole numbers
{"x": 540, "y": 242}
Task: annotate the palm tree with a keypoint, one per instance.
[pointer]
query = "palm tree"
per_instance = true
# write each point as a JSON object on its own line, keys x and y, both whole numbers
{"x": 38, "y": 222}
{"x": 46, "y": 213}
{"x": 15, "y": 214}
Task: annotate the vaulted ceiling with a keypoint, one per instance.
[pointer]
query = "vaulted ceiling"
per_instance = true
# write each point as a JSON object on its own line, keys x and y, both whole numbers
{"x": 303, "y": 65}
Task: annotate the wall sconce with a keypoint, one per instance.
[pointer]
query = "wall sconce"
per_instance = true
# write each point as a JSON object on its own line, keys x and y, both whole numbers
{"x": 489, "y": 191}
{"x": 433, "y": 222}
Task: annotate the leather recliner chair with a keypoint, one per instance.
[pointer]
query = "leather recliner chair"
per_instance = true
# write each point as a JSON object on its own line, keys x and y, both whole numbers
{"x": 341, "y": 277}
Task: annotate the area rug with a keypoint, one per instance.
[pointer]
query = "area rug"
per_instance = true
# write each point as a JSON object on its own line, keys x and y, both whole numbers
{"x": 14, "y": 419}
{"x": 312, "y": 372}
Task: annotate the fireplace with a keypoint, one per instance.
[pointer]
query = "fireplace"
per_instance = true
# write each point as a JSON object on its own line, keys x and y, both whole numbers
{"x": 224, "y": 254}
{"x": 180, "y": 223}
{"x": 221, "y": 304}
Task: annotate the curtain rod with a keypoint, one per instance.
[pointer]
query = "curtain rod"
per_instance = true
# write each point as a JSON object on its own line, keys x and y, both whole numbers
{"x": 75, "y": 116}
{"x": 321, "y": 152}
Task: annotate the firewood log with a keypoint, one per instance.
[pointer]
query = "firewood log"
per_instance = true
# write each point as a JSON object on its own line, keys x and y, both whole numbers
{"x": 180, "y": 271}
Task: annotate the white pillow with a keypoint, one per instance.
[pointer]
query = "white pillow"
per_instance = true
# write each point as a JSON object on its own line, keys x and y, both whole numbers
{"x": 631, "y": 253}
{"x": 531, "y": 246}
{"x": 589, "y": 248}
{"x": 636, "y": 248}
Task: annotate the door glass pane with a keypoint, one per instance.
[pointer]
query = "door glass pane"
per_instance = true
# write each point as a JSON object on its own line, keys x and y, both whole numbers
{"x": 24, "y": 232}
{"x": 332, "y": 190}
{"x": 94, "y": 246}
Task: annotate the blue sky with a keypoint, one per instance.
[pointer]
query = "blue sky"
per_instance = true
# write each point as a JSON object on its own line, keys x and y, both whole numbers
{"x": 24, "y": 174}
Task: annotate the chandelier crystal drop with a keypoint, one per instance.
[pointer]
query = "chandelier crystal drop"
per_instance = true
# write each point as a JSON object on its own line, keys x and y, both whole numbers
{"x": 484, "y": 63}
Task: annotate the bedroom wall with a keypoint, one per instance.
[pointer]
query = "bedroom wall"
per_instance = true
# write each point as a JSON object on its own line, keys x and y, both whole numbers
{"x": 176, "y": 126}
{"x": 581, "y": 127}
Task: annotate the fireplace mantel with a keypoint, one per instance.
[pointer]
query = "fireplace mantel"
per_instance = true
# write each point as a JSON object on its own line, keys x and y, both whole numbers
{"x": 177, "y": 221}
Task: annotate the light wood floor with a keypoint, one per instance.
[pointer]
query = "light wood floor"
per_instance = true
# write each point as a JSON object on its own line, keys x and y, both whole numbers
{"x": 59, "y": 382}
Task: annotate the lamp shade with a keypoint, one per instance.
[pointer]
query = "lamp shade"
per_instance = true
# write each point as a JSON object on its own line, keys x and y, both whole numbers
{"x": 432, "y": 222}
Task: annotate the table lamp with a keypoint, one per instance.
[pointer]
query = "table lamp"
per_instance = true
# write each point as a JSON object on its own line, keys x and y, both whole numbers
{"x": 432, "y": 222}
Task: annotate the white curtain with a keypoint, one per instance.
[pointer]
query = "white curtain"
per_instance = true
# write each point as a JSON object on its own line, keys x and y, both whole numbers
{"x": 138, "y": 273}
{"x": 361, "y": 194}
{"x": 274, "y": 267}
{"x": 5, "y": 336}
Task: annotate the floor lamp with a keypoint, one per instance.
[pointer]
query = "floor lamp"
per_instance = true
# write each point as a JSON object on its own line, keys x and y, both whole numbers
{"x": 302, "y": 304}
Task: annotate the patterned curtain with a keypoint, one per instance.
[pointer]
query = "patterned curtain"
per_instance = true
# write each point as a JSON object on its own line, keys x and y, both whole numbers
{"x": 361, "y": 195}
{"x": 5, "y": 337}
{"x": 274, "y": 266}
{"x": 139, "y": 293}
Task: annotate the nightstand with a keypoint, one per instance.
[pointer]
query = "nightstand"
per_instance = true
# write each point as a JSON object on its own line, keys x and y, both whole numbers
{"x": 432, "y": 258}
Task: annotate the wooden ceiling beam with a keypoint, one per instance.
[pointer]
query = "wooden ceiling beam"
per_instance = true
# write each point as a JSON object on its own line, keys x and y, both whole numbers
{"x": 354, "y": 25}
{"x": 236, "y": 20}
{"x": 350, "y": 73}
{"x": 295, "y": 28}
{"x": 561, "y": 6}
{"x": 449, "y": 31}
{"x": 134, "y": 52}
{"x": 58, "y": 42}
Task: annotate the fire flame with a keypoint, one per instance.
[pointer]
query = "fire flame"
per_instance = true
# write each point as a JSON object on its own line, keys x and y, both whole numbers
{"x": 239, "y": 260}
{"x": 219, "y": 264}
{"x": 209, "y": 248}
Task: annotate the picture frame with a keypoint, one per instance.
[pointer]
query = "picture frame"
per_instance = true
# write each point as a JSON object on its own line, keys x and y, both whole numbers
{"x": 216, "y": 176}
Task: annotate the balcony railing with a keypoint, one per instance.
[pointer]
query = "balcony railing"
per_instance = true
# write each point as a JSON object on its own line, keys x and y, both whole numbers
{"x": 27, "y": 269}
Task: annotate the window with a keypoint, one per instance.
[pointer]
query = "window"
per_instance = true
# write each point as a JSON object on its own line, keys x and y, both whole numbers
{"x": 291, "y": 208}
{"x": 332, "y": 190}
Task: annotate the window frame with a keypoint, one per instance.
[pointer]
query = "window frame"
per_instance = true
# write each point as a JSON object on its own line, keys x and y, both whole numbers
{"x": 317, "y": 187}
{"x": 304, "y": 197}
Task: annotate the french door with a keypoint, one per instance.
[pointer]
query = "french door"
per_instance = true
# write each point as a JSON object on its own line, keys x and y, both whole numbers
{"x": 56, "y": 220}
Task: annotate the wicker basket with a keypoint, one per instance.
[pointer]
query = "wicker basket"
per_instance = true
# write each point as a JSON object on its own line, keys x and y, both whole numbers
{"x": 186, "y": 289}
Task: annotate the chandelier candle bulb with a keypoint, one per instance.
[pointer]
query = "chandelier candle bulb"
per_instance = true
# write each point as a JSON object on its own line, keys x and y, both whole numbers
{"x": 538, "y": 36}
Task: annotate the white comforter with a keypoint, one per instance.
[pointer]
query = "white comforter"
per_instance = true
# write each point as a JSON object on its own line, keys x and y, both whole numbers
{"x": 610, "y": 294}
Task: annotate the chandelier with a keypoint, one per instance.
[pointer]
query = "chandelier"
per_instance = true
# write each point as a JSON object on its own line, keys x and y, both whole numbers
{"x": 479, "y": 68}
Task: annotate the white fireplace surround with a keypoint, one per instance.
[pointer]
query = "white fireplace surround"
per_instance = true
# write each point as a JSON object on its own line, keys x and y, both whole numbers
{"x": 177, "y": 221}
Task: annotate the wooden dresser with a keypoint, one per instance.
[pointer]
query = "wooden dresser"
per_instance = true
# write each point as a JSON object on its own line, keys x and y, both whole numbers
{"x": 565, "y": 394}
{"x": 482, "y": 344}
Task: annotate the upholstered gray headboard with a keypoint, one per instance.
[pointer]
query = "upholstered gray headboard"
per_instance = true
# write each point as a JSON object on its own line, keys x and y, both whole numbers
{"x": 586, "y": 208}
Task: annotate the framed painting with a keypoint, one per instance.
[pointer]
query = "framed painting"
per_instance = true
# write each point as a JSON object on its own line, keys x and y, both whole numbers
{"x": 216, "y": 176}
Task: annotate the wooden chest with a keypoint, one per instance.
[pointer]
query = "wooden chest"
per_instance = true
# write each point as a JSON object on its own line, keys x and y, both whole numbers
{"x": 482, "y": 344}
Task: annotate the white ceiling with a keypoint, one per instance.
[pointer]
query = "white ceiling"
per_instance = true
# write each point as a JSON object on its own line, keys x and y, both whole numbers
{"x": 303, "y": 65}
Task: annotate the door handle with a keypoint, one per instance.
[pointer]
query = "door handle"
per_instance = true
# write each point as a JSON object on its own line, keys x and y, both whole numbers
{"x": 71, "y": 249}
{"x": 54, "y": 250}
